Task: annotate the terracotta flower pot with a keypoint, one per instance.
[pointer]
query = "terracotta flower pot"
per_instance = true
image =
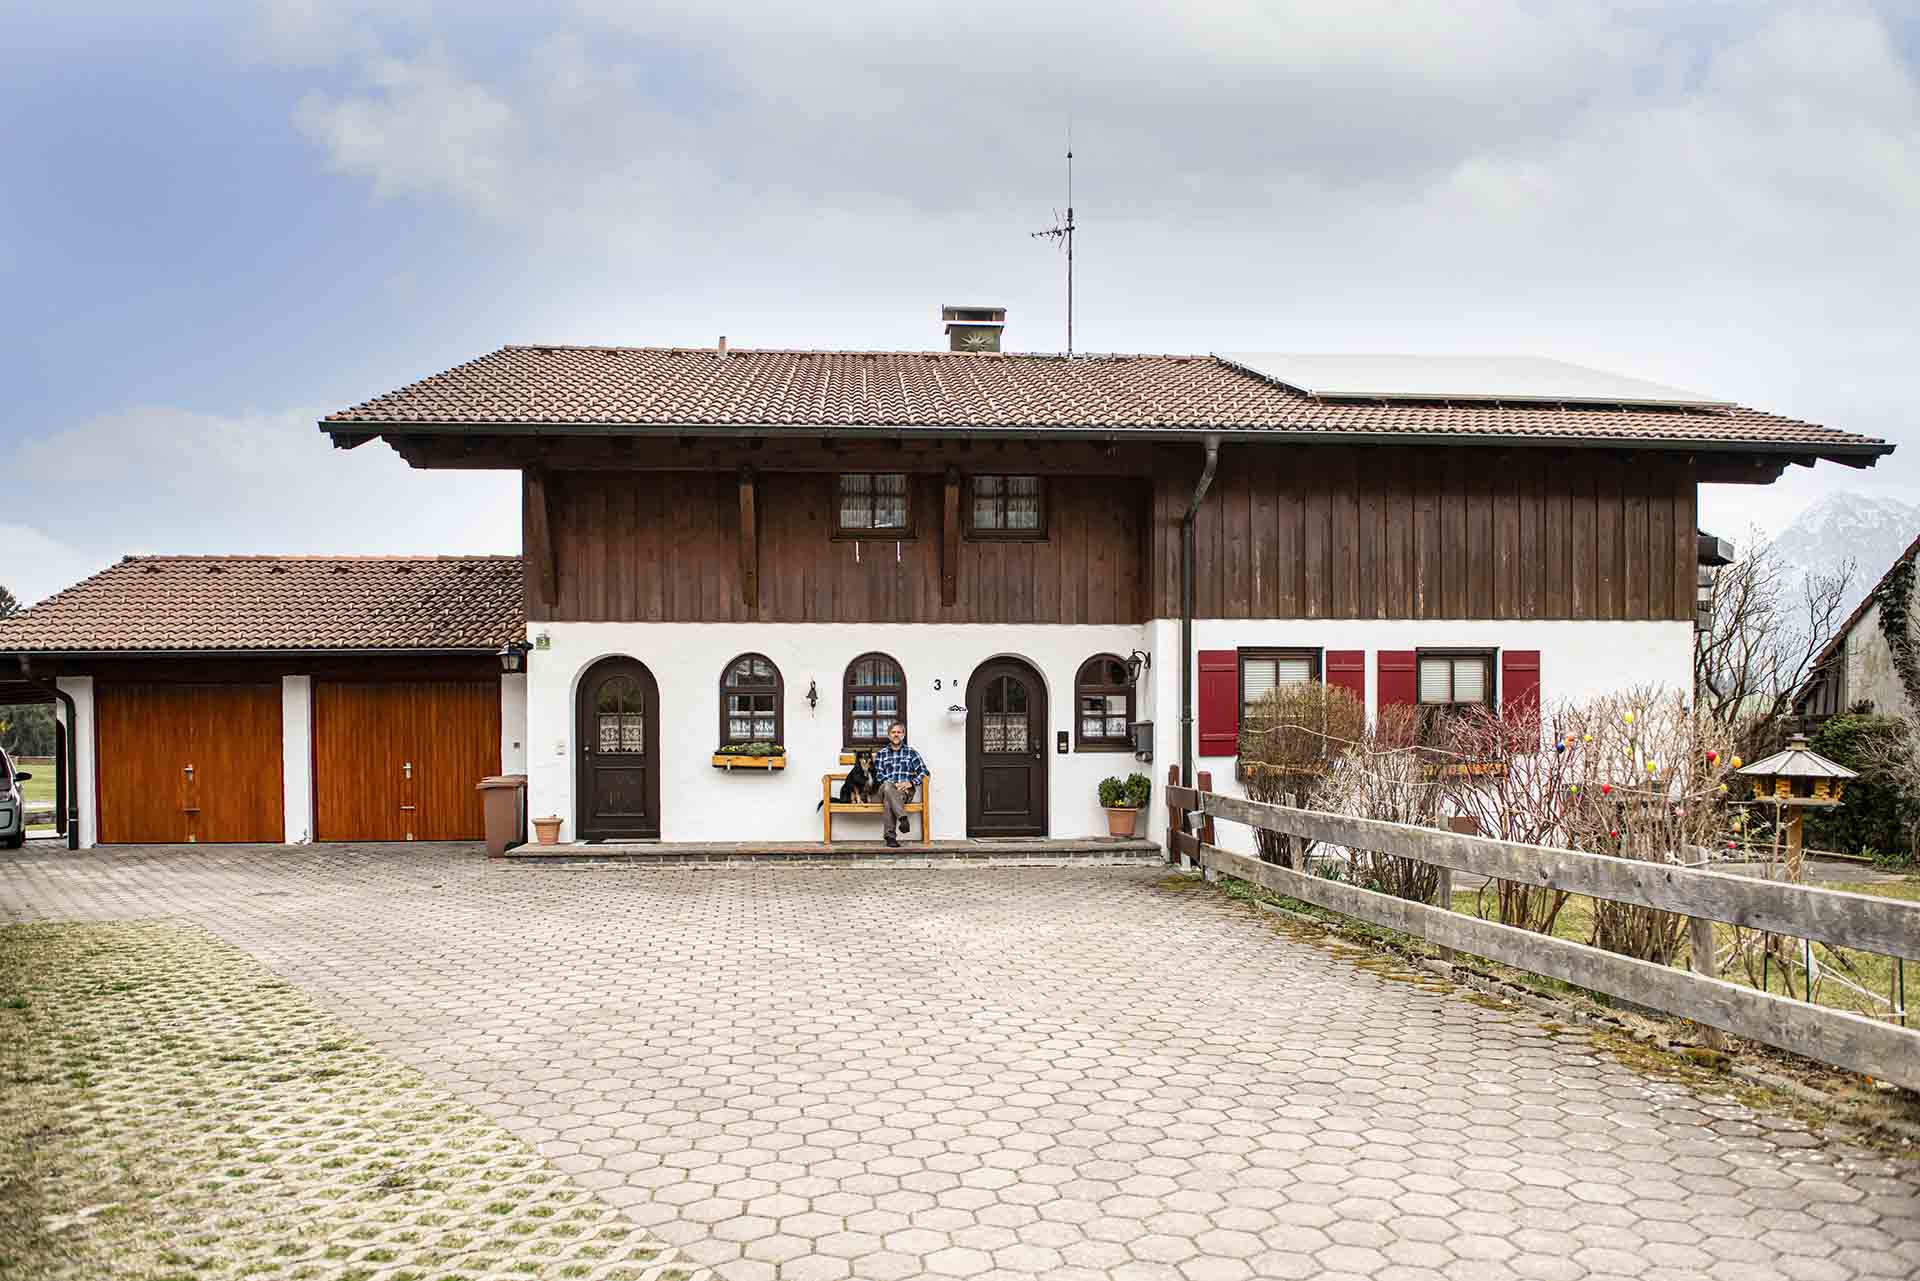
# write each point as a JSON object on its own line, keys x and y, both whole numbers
{"x": 546, "y": 831}
{"x": 1121, "y": 822}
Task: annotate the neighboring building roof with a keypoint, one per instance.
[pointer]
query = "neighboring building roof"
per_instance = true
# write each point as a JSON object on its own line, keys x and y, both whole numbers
{"x": 276, "y": 603}
{"x": 675, "y": 388}
{"x": 1836, "y": 647}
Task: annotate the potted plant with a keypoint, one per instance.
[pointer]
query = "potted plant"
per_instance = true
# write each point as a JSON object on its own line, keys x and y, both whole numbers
{"x": 1123, "y": 801}
{"x": 546, "y": 831}
{"x": 756, "y": 755}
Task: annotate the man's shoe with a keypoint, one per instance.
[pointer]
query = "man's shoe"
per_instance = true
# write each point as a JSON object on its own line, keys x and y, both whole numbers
{"x": 903, "y": 822}
{"x": 893, "y": 842}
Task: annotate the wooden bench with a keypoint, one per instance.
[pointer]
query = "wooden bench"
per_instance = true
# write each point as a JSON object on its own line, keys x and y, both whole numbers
{"x": 922, "y": 804}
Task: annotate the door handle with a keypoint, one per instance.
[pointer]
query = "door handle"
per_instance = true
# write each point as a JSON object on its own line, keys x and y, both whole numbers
{"x": 407, "y": 769}
{"x": 189, "y": 773}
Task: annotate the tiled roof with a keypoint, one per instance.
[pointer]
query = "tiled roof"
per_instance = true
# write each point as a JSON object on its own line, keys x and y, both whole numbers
{"x": 171, "y": 603}
{"x": 561, "y": 387}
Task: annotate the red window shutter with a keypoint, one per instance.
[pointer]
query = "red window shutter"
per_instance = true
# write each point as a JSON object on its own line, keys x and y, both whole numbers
{"x": 1520, "y": 689}
{"x": 1219, "y": 708}
{"x": 1347, "y": 668}
{"x": 1397, "y": 677}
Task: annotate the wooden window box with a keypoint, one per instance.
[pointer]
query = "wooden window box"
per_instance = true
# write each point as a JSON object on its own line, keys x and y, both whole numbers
{"x": 732, "y": 761}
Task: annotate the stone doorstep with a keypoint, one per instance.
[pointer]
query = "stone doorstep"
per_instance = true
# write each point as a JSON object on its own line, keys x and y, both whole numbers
{"x": 1086, "y": 852}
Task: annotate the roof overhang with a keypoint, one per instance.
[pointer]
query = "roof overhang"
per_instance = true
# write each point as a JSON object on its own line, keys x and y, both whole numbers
{"x": 351, "y": 435}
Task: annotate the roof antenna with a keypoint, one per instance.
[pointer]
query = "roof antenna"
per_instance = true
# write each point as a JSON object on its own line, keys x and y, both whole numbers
{"x": 1061, "y": 233}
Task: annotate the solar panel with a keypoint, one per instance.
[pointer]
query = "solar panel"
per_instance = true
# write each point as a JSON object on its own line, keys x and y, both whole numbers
{"x": 1535, "y": 378}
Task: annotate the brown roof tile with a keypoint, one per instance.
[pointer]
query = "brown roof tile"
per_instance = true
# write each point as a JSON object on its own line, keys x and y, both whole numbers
{"x": 696, "y": 387}
{"x": 251, "y": 603}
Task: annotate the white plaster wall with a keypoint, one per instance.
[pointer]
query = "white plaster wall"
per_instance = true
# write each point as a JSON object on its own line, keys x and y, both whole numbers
{"x": 513, "y": 723}
{"x": 83, "y": 796}
{"x": 296, "y": 753}
{"x": 699, "y": 802}
{"x": 1578, "y": 660}
{"x": 1871, "y": 673}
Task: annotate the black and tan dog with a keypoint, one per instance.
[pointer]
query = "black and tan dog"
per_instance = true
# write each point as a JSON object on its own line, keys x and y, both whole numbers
{"x": 858, "y": 787}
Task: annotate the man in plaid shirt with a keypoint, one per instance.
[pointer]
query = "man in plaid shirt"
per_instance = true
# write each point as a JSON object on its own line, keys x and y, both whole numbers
{"x": 899, "y": 770}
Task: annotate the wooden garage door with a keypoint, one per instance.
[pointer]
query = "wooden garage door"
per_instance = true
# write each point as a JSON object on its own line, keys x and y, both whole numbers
{"x": 398, "y": 760}
{"x": 189, "y": 763}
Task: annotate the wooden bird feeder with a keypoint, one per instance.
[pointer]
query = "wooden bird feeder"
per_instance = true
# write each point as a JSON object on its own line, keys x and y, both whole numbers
{"x": 1793, "y": 781}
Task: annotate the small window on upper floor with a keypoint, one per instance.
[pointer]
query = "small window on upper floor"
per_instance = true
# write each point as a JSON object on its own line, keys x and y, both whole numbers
{"x": 871, "y": 504}
{"x": 1006, "y": 507}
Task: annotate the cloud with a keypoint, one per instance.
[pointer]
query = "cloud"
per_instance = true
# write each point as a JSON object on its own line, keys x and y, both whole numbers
{"x": 160, "y": 479}
{"x": 35, "y": 566}
{"x": 1719, "y": 195}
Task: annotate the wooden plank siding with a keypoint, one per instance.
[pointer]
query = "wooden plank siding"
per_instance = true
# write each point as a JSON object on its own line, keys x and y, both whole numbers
{"x": 1352, "y": 532}
{"x": 665, "y": 547}
{"x": 1333, "y": 531}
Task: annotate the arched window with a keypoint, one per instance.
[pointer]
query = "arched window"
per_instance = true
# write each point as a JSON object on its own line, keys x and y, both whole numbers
{"x": 876, "y": 697}
{"x": 751, "y": 706}
{"x": 1103, "y": 706}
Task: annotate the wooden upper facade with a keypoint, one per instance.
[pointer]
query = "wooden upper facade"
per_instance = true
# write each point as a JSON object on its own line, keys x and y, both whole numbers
{"x": 695, "y": 485}
{"x": 1327, "y": 531}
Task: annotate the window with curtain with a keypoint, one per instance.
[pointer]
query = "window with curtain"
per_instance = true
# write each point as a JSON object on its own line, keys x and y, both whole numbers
{"x": 1103, "y": 699}
{"x": 1454, "y": 680}
{"x": 1005, "y": 507}
{"x": 871, "y": 503}
{"x": 1450, "y": 683}
{"x": 1265, "y": 669}
{"x": 876, "y": 697}
{"x": 750, "y": 703}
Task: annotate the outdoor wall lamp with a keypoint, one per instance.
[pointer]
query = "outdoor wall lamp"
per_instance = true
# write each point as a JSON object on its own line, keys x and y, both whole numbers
{"x": 813, "y": 696}
{"x": 1137, "y": 662}
{"x": 513, "y": 656}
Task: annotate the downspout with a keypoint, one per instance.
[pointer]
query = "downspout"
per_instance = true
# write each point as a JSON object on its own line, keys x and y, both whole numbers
{"x": 1186, "y": 610}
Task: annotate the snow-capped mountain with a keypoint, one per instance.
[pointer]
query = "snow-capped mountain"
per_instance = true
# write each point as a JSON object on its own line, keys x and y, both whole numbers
{"x": 1844, "y": 526}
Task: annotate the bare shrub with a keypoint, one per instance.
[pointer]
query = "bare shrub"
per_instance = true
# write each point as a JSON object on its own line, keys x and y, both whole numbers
{"x": 1515, "y": 791}
{"x": 1387, "y": 775}
{"x": 1649, "y": 782}
{"x": 1286, "y": 741}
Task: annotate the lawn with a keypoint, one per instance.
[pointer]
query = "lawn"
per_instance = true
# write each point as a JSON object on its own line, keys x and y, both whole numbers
{"x": 1878, "y": 975}
{"x": 38, "y": 790}
{"x": 170, "y": 1108}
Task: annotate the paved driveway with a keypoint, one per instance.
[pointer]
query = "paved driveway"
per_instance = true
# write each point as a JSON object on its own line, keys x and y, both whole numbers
{"x": 1075, "y": 1073}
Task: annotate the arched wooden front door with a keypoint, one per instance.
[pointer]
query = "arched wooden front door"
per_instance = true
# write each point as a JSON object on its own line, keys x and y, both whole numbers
{"x": 617, "y": 783}
{"x": 1006, "y": 750}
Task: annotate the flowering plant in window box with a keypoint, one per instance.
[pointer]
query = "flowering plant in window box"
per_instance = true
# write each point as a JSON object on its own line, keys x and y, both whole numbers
{"x": 760, "y": 755}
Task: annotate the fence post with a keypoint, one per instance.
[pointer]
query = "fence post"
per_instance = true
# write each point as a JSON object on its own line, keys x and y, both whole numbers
{"x": 1176, "y": 817}
{"x": 1706, "y": 963}
{"x": 1206, "y": 823}
{"x": 1466, "y": 825}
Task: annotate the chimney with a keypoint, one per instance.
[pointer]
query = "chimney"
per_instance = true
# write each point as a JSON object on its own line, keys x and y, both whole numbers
{"x": 723, "y": 346}
{"x": 973, "y": 328}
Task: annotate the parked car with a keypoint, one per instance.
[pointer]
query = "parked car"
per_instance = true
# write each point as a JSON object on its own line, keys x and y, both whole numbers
{"x": 13, "y": 806}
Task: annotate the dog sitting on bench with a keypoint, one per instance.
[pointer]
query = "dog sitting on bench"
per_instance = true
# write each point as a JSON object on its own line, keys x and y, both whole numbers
{"x": 858, "y": 786}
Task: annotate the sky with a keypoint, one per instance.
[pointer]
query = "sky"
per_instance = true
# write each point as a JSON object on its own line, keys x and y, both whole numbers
{"x": 215, "y": 228}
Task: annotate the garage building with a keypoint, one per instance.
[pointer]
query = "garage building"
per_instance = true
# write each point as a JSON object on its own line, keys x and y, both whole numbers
{"x": 277, "y": 698}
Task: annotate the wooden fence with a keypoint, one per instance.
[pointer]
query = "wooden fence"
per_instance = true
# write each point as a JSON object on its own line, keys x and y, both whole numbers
{"x": 1890, "y": 927}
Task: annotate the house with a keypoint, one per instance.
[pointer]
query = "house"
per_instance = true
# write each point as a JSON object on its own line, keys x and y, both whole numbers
{"x": 1862, "y": 664}
{"x": 1049, "y": 565}
{"x": 278, "y": 698}
{"x": 1053, "y": 568}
